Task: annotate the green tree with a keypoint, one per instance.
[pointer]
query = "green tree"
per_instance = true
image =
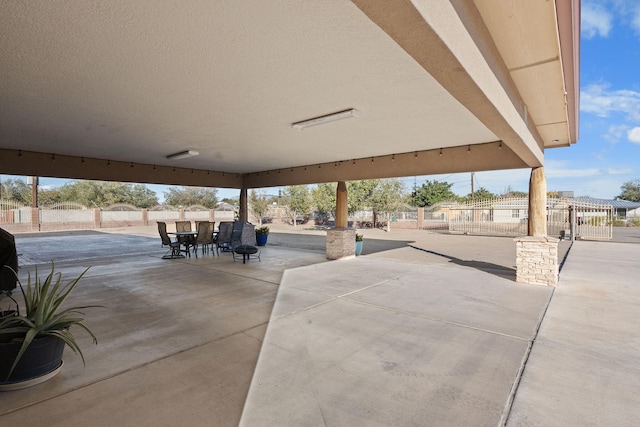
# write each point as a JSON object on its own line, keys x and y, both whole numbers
{"x": 386, "y": 198}
{"x": 510, "y": 192}
{"x": 49, "y": 196}
{"x": 101, "y": 194}
{"x": 360, "y": 194}
{"x": 230, "y": 201}
{"x": 143, "y": 197}
{"x": 297, "y": 200}
{"x": 323, "y": 197}
{"x": 259, "y": 204}
{"x": 630, "y": 191}
{"x": 382, "y": 195}
{"x": 187, "y": 196}
{"x": 432, "y": 192}
{"x": 18, "y": 190}
{"x": 480, "y": 194}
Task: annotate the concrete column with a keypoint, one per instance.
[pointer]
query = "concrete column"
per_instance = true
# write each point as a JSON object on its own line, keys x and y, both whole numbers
{"x": 181, "y": 214}
{"x": 243, "y": 212}
{"x": 342, "y": 213}
{"x": 420, "y": 218}
{"x": 537, "y": 203}
{"x": 145, "y": 216}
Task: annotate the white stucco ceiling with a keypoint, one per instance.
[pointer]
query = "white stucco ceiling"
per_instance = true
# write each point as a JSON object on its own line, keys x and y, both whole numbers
{"x": 137, "y": 80}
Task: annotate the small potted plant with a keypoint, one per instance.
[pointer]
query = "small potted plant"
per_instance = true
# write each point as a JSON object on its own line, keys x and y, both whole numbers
{"x": 262, "y": 234}
{"x": 32, "y": 343}
{"x": 359, "y": 238}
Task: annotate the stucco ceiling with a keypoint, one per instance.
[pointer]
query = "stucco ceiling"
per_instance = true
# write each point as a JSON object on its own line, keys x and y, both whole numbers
{"x": 135, "y": 81}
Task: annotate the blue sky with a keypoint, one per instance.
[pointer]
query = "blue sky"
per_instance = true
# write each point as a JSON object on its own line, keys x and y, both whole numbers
{"x": 607, "y": 153}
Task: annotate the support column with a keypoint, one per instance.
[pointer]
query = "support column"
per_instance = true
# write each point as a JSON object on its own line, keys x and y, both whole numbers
{"x": 97, "y": 218}
{"x": 243, "y": 212}
{"x": 420, "y": 222}
{"x": 35, "y": 219}
{"x": 537, "y": 203}
{"x": 342, "y": 210}
{"x": 537, "y": 254}
{"x": 341, "y": 241}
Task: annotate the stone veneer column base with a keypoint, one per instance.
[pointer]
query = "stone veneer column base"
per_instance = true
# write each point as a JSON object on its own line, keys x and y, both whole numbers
{"x": 537, "y": 260}
{"x": 341, "y": 243}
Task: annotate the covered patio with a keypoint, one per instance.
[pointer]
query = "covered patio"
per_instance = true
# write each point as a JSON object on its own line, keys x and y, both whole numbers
{"x": 423, "y": 330}
{"x": 217, "y": 94}
{"x": 283, "y": 93}
{"x": 179, "y": 340}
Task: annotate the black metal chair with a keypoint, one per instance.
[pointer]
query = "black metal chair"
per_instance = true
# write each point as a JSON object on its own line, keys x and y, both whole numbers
{"x": 204, "y": 238}
{"x": 174, "y": 247}
{"x": 223, "y": 239}
{"x": 186, "y": 241}
{"x": 243, "y": 241}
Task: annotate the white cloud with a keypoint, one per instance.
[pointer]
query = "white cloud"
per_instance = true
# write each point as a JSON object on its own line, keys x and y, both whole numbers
{"x": 600, "y": 100}
{"x": 596, "y": 21}
{"x": 635, "y": 22}
{"x": 634, "y": 135}
{"x": 572, "y": 173}
{"x": 620, "y": 171}
{"x": 615, "y": 133}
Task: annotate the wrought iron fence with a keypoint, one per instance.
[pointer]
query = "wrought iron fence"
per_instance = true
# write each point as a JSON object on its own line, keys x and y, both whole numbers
{"x": 509, "y": 217}
{"x": 12, "y": 212}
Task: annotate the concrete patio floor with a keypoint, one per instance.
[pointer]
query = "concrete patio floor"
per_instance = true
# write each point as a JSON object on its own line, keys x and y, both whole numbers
{"x": 401, "y": 336}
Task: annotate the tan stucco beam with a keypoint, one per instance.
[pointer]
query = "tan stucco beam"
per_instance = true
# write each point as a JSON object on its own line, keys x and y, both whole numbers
{"x": 451, "y": 42}
{"x": 474, "y": 158}
{"x": 29, "y": 163}
{"x": 568, "y": 12}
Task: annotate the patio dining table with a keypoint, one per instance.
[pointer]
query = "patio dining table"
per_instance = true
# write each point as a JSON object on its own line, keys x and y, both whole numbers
{"x": 186, "y": 238}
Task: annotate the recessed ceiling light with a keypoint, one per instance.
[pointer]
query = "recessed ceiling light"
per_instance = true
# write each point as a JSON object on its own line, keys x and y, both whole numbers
{"x": 183, "y": 155}
{"x": 320, "y": 120}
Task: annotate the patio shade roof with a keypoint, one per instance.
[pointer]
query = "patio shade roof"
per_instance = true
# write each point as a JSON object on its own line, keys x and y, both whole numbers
{"x": 107, "y": 90}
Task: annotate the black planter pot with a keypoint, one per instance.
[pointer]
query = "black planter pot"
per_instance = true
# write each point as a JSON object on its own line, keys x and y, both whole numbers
{"x": 41, "y": 358}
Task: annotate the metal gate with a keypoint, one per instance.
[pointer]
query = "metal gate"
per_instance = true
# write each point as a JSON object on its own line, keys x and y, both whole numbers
{"x": 581, "y": 218}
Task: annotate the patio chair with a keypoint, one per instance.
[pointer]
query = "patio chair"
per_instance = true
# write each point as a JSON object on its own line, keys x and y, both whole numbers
{"x": 244, "y": 241}
{"x": 186, "y": 241}
{"x": 236, "y": 233}
{"x": 204, "y": 238}
{"x": 223, "y": 239}
{"x": 174, "y": 247}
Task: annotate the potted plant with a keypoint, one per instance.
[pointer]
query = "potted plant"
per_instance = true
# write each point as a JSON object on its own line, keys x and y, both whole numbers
{"x": 359, "y": 238}
{"x": 32, "y": 343}
{"x": 262, "y": 233}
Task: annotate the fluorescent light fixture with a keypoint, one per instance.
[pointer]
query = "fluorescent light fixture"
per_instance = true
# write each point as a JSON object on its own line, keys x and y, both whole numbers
{"x": 183, "y": 155}
{"x": 326, "y": 119}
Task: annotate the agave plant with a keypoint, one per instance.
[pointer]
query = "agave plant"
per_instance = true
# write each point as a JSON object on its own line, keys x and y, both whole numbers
{"x": 44, "y": 314}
